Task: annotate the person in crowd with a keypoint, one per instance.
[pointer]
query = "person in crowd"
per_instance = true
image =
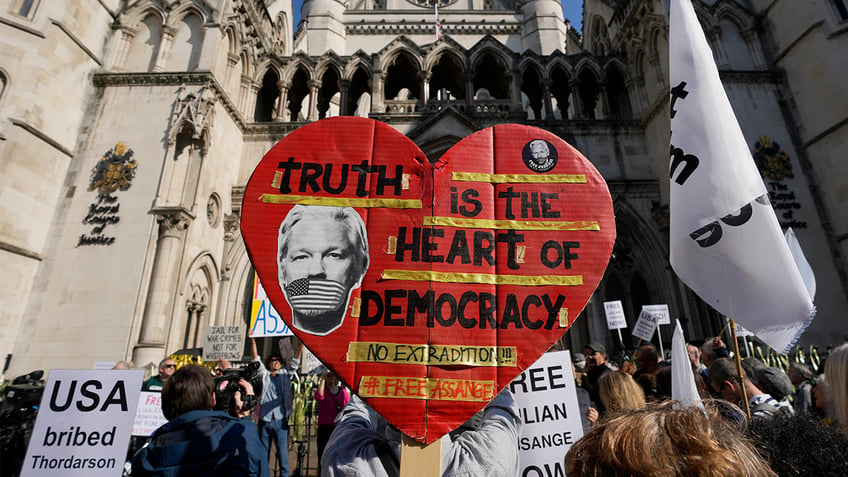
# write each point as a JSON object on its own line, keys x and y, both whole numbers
{"x": 801, "y": 445}
{"x": 364, "y": 444}
{"x": 332, "y": 397}
{"x": 618, "y": 392}
{"x": 167, "y": 367}
{"x": 695, "y": 358}
{"x": 821, "y": 399}
{"x": 749, "y": 363}
{"x": 122, "y": 365}
{"x": 647, "y": 360}
{"x": 711, "y": 350}
{"x": 836, "y": 371}
{"x": 597, "y": 364}
{"x": 322, "y": 258}
{"x": 774, "y": 382}
{"x": 276, "y": 403}
{"x": 665, "y": 440}
{"x": 197, "y": 441}
{"x": 628, "y": 367}
{"x": 724, "y": 379}
{"x": 801, "y": 377}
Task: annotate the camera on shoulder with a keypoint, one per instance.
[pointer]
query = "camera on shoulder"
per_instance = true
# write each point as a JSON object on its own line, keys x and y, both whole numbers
{"x": 227, "y": 384}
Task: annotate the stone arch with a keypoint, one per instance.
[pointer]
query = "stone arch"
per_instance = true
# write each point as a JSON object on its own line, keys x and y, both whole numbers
{"x": 600, "y": 41}
{"x": 329, "y": 94}
{"x": 146, "y": 42}
{"x": 561, "y": 78}
{"x": 448, "y": 73}
{"x": 401, "y": 69}
{"x": 532, "y": 92}
{"x": 198, "y": 290}
{"x": 267, "y": 96}
{"x": 618, "y": 94}
{"x": 184, "y": 54}
{"x": 4, "y": 83}
{"x": 736, "y": 48}
{"x": 233, "y": 301}
{"x": 589, "y": 89}
{"x": 491, "y": 71}
{"x": 359, "y": 93}
{"x": 297, "y": 98}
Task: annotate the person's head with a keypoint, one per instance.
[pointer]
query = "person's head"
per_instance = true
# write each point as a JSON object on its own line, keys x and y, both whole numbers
{"x": 707, "y": 353}
{"x": 836, "y": 371}
{"x": 579, "y": 362}
{"x": 647, "y": 359}
{"x": 191, "y": 388}
{"x": 596, "y": 355}
{"x": 694, "y": 355}
{"x": 749, "y": 363}
{"x": 122, "y": 365}
{"x": 665, "y": 441}
{"x": 619, "y": 392}
{"x": 821, "y": 393}
{"x": 799, "y": 372}
{"x": 540, "y": 151}
{"x": 322, "y": 257}
{"x": 725, "y": 380}
{"x": 274, "y": 362}
{"x": 167, "y": 367}
{"x": 773, "y": 381}
{"x": 800, "y": 445}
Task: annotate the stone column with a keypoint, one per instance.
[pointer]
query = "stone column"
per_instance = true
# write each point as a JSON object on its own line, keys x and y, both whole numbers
{"x": 231, "y": 234}
{"x": 604, "y": 100}
{"x": 714, "y": 35}
{"x": 425, "y": 77}
{"x": 377, "y": 101}
{"x": 282, "y": 101}
{"x": 162, "y": 291}
{"x": 121, "y": 48}
{"x": 576, "y": 100}
{"x": 314, "y": 86}
{"x": 250, "y": 107}
{"x": 655, "y": 62}
{"x": 469, "y": 91}
{"x": 168, "y": 33}
{"x": 515, "y": 90}
{"x": 344, "y": 98}
{"x": 232, "y": 61}
{"x": 546, "y": 95}
{"x": 756, "y": 49}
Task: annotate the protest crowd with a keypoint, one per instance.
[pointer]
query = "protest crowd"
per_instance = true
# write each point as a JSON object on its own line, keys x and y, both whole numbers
{"x": 787, "y": 418}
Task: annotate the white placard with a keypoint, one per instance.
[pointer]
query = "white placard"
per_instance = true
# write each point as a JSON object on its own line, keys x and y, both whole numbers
{"x": 547, "y": 401}
{"x": 264, "y": 318}
{"x": 646, "y": 324}
{"x": 223, "y": 342}
{"x": 84, "y": 423}
{"x": 742, "y": 332}
{"x": 148, "y": 416}
{"x": 662, "y": 310}
{"x": 615, "y": 315}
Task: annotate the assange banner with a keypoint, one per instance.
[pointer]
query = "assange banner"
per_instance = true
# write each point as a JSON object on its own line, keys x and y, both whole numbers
{"x": 726, "y": 243}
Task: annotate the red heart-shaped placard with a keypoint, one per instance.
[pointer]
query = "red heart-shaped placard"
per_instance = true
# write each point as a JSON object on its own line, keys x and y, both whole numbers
{"x": 427, "y": 288}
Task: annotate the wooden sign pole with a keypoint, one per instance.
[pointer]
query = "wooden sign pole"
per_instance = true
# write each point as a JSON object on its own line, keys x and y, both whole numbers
{"x": 417, "y": 459}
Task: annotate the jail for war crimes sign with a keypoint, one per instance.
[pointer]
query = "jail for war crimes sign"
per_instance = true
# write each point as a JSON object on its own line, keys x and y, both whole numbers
{"x": 223, "y": 342}
{"x": 427, "y": 287}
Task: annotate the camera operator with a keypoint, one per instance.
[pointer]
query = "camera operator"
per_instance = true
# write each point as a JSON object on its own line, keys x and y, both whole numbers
{"x": 197, "y": 440}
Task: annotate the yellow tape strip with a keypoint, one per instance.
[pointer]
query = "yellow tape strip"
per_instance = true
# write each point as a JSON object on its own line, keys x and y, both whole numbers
{"x": 431, "y": 355}
{"x": 484, "y": 278}
{"x": 511, "y": 224}
{"x": 519, "y": 178}
{"x": 427, "y": 388}
{"x": 340, "y": 201}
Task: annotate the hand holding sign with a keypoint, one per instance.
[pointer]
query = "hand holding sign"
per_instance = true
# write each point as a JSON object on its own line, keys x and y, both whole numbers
{"x": 427, "y": 288}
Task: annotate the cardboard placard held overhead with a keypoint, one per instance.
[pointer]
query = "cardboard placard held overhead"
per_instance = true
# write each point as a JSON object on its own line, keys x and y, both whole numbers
{"x": 664, "y": 317}
{"x": 223, "y": 342}
{"x": 614, "y": 312}
{"x": 645, "y": 325}
{"x": 427, "y": 288}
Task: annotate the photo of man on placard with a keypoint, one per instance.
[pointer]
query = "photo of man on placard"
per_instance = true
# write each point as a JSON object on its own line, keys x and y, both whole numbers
{"x": 322, "y": 257}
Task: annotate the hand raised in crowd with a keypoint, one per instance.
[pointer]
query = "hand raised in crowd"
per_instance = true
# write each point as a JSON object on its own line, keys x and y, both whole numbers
{"x": 718, "y": 343}
{"x": 592, "y": 415}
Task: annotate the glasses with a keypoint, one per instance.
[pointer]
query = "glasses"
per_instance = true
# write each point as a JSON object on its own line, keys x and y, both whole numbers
{"x": 166, "y": 366}
{"x": 271, "y": 360}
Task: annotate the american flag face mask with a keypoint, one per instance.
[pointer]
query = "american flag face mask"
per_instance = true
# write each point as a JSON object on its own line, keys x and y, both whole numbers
{"x": 311, "y": 296}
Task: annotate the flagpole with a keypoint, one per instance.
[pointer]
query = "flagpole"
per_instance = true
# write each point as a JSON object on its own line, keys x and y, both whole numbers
{"x": 739, "y": 369}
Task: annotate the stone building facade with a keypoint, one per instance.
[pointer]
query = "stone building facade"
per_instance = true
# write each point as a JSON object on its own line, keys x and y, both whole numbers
{"x": 128, "y": 129}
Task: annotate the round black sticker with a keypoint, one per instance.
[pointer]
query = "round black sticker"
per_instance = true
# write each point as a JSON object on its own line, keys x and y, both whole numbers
{"x": 539, "y": 155}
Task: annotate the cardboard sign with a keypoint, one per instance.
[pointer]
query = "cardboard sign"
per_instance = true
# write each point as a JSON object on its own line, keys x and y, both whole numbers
{"x": 427, "y": 288}
{"x": 547, "y": 401}
{"x": 223, "y": 342}
{"x": 645, "y": 326}
{"x": 148, "y": 415}
{"x": 664, "y": 317}
{"x": 84, "y": 423}
{"x": 614, "y": 312}
{"x": 264, "y": 318}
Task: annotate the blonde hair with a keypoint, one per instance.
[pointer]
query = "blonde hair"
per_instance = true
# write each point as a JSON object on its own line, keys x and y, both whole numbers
{"x": 836, "y": 373}
{"x": 665, "y": 441}
{"x": 619, "y": 392}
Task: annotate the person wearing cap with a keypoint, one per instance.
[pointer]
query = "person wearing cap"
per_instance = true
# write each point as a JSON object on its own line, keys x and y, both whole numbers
{"x": 725, "y": 380}
{"x": 777, "y": 384}
{"x": 597, "y": 364}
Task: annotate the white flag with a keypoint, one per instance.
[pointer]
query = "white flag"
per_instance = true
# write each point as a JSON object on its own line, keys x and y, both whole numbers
{"x": 726, "y": 243}
{"x": 683, "y": 388}
{"x": 800, "y": 260}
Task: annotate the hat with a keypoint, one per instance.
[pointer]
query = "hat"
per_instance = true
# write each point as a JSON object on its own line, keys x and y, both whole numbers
{"x": 773, "y": 381}
{"x": 595, "y": 346}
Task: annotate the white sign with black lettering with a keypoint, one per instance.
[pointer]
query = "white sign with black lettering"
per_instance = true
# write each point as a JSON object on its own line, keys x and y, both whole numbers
{"x": 547, "y": 401}
{"x": 615, "y": 315}
{"x": 661, "y": 310}
{"x": 84, "y": 423}
{"x": 646, "y": 324}
{"x": 223, "y": 342}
